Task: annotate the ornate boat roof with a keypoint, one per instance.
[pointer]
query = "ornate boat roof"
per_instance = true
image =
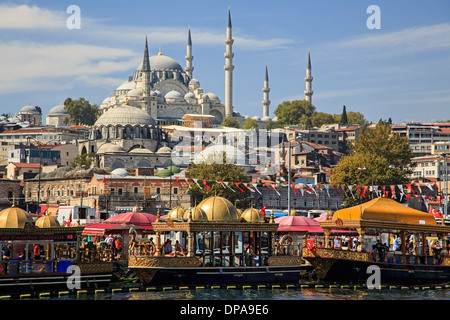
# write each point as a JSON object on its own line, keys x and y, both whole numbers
{"x": 384, "y": 213}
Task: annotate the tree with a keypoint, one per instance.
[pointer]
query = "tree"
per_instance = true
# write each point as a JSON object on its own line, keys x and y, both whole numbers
{"x": 84, "y": 159}
{"x": 320, "y": 118}
{"x": 273, "y": 125}
{"x": 231, "y": 122}
{"x": 344, "y": 119}
{"x": 81, "y": 111}
{"x": 290, "y": 113}
{"x": 250, "y": 124}
{"x": 218, "y": 172}
{"x": 377, "y": 157}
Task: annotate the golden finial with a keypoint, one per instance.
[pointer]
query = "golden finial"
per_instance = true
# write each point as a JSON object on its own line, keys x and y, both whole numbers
{"x": 159, "y": 53}
{"x": 126, "y": 99}
{"x": 272, "y": 217}
{"x": 158, "y": 215}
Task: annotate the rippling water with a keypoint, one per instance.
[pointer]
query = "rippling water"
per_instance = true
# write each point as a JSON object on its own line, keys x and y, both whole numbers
{"x": 270, "y": 294}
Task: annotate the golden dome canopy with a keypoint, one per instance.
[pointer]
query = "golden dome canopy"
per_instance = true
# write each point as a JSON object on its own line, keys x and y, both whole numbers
{"x": 219, "y": 209}
{"x": 14, "y": 218}
{"x": 293, "y": 213}
{"x": 47, "y": 222}
{"x": 176, "y": 213}
{"x": 252, "y": 215}
{"x": 197, "y": 214}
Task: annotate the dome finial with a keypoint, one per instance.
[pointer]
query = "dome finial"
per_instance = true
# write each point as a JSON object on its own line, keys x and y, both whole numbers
{"x": 159, "y": 53}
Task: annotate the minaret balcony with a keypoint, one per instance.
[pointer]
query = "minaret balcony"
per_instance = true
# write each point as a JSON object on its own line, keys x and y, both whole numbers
{"x": 228, "y": 55}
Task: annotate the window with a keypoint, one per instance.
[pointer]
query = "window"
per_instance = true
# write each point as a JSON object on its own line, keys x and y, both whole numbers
{"x": 119, "y": 191}
{"x": 158, "y": 190}
{"x": 175, "y": 190}
{"x": 136, "y": 189}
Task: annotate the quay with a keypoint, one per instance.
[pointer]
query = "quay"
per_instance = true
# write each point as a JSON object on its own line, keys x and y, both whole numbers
{"x": 83, "y": 293}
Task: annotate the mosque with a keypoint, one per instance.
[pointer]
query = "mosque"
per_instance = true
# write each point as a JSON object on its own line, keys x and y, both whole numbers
{"x": 161, "y": 93}
{"x": 163, "y": 89}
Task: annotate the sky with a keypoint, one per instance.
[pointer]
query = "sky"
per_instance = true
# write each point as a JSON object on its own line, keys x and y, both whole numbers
{"x": 399, "y": 70}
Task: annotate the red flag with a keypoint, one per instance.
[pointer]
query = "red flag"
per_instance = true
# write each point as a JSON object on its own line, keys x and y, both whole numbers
{"x": 293, "y": 187}
{"x": 263, "y": 209}
{"x": 237, "y": 185}
{"x": 187, "y": 181}
{"x": 435, "y": 213}
{"x": 335, "y": 188}
{"x": 104, "y": 179}
{"x": 204, "y": 182}
{"x": 70, "y": 220}
{"x": 221, "y": 183}
{"x": 176, "y": 177}
{"x": 366, "y": 189}
{"x": 409, "y": 187}
{"x": 359, "y": 190}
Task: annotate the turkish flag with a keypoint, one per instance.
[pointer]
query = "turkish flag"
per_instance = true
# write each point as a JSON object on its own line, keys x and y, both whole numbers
{"x": 263, "y": 210}
{"x": 435, "y": 213}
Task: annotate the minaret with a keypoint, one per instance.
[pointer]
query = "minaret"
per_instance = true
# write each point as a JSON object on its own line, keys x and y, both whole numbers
{"x": 266, "y": 101}
{"x": 189, "y": 68}
{"x": 146, "y": 71}
{"x": 229, "y": 69}
{"x": 308, "y": 80}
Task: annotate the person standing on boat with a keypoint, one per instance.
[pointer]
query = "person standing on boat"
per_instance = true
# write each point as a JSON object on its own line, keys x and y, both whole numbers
{"x": 37, "y": 252}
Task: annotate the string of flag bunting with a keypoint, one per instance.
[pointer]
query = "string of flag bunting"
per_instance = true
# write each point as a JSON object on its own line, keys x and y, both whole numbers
{"x": 394, "y": 191}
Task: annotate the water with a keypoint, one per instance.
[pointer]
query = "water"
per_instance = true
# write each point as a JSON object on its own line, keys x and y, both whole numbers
{"x": 268, "y": 294}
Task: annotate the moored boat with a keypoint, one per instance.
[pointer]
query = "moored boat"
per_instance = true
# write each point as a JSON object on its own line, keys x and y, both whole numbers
{"x": 216, "y": 246}
{"x": 41, "y": 256}
{"x": 396, "y": 245}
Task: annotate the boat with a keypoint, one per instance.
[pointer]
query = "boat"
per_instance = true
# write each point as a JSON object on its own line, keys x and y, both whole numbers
{"x": 40, "y": 255}
{"x": 212, "y": 244}
{"x": 395, "y": 245}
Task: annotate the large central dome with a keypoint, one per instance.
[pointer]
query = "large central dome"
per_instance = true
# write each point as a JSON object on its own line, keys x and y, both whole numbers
{"x": 219, "y": 209}
{"x": 125, "y": 115}
{"x": 163, "y": 63}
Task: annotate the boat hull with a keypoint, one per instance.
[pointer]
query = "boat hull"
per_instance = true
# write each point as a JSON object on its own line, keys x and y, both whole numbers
{"x": 92, "y": 276}
{"x": 342, "y": 270}
{"x": 192, "y": 274}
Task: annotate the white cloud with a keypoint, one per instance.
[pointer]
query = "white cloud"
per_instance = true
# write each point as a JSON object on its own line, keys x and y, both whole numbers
{"x": 26, "y": 17}
{"x": 403, "y": 42}
{"x": 30, "y": 63}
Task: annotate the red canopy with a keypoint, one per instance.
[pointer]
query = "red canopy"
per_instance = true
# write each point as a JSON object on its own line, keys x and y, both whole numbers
{"x": 298, "y": 223}
{"x": 136, "y": 218}
{"x": 102, "y": 228}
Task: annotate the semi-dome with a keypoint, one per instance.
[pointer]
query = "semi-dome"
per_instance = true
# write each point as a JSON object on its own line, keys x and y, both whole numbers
{"x": 141, "y": 150}
{"x": 14, "y": 218}
{"x": 134, "y": 93}
{"x": 212, "y": 96}
{"x": 110, "y": 147}
{"x": 189, "y": 95}
{"x": 119, "y": 172}
{"x": 252, "y": 215}
{"x": 47, "y": 222}
{"x": 58, "y": 110}
{"x": 127, "y": 85}
{"x": 196, "y": 214}
{"x": 173, "y": 94}
{"x": 124, "y": 115}
{"x": 219, "y": 209}
{"x": 176, "y": 213}
{"x": 164, "y": 150}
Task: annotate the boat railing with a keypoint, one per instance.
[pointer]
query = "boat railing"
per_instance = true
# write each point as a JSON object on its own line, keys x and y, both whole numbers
{"x": 18, "y": 266}
{"x": 384, "y": 256}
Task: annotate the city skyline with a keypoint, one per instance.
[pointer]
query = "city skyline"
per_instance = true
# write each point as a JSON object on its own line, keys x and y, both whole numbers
{"x": 400, "y": 71}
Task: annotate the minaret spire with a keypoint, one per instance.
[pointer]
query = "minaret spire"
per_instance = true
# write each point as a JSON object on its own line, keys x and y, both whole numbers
{"x": 308, "y": 79}
{"x": 266, "y": 101}
{"x": 146, "y": 80}
{"x": 146, "y": 62}
{"x": 189, "y": 68}
{"x": 229, "y": 69}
